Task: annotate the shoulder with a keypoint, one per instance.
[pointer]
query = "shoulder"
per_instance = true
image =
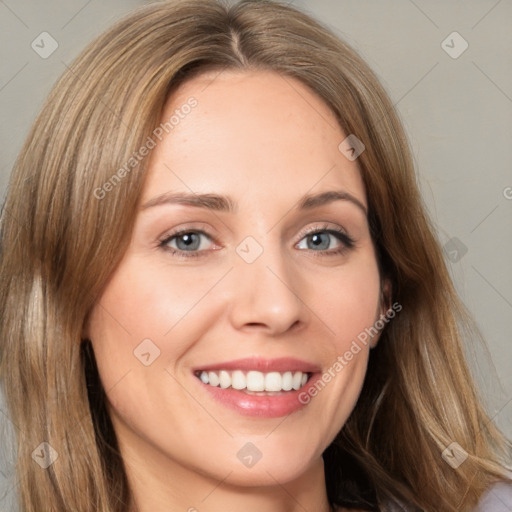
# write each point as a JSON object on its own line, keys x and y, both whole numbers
{"x": 497, "y": 499}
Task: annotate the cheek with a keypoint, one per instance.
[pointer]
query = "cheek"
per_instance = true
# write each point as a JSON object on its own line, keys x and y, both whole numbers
{"x": 348, "y": 301}
{"x": 149, "y": 308}
{"x": 148, "y": 301}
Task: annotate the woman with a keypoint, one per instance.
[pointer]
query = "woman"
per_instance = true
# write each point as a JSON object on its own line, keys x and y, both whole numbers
{"x": 220, "y": 289}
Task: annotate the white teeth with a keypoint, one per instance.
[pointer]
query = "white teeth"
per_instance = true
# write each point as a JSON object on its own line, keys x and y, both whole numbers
{"x": 213, "y": 379}
{"x": 255, "y": 381}
{"x": 238, "y": 380}
{"x": 273, "y": 381}
{"x": 297, "y": 380}
{"x": 225, "y": 379}
{"x": 287, "y": 381}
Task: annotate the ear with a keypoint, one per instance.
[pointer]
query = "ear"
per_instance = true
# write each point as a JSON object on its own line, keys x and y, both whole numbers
{"x": 385, "y": 295}
{"x": 85, "y": 335}
{"x": 383, "y": 308}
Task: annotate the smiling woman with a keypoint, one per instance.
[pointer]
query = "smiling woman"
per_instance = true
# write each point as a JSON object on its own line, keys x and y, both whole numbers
{"x": 255, "y": 313}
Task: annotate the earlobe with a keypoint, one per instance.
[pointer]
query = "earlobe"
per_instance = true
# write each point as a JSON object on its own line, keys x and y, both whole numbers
{"x": 385, "y": 295}
{"x": 85, "y": 334}
{"x": 383, "y": 308}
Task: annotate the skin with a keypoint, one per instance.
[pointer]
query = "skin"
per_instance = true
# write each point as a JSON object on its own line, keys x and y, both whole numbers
{"x": 264, "y": 143}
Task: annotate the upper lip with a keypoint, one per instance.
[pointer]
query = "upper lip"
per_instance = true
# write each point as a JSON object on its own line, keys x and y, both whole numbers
{"x": 281, "y": 364}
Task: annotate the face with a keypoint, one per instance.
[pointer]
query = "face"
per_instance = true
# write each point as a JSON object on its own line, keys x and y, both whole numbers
{"x": 266, "y": 286}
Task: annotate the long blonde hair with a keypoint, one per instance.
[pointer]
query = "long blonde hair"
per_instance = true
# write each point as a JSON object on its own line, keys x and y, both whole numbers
{"x": 60, "y": 243}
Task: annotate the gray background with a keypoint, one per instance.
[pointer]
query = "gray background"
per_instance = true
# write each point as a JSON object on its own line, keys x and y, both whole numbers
{"x": 457, "y": 113}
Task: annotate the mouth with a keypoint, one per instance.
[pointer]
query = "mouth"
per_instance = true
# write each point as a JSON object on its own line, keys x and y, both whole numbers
{"x": 258, "y": 387}
{"x": 255, "y": 382}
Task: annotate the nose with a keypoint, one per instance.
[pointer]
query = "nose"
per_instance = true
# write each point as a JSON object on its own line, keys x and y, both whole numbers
{"x": 267, "y": 294}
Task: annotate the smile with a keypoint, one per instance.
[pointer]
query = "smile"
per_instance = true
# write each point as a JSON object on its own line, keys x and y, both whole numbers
{"x": 254, "y": 381}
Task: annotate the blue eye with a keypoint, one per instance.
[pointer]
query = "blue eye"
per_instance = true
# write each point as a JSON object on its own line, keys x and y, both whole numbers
{"x": 321, "y": 239}
{"x": 187, "y": 243}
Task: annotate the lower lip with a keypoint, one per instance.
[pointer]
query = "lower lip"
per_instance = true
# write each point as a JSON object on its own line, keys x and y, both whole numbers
{"x": 263, "y": 406}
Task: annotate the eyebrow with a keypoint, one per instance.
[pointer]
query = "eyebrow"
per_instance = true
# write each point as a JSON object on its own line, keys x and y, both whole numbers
{"x": 223, "y": 203}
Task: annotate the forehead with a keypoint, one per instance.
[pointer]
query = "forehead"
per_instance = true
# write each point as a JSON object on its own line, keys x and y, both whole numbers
{"x": 250, "y": 132}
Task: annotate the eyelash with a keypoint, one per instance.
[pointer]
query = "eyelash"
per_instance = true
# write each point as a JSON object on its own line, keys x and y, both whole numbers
{"x": 347, "y": 242}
